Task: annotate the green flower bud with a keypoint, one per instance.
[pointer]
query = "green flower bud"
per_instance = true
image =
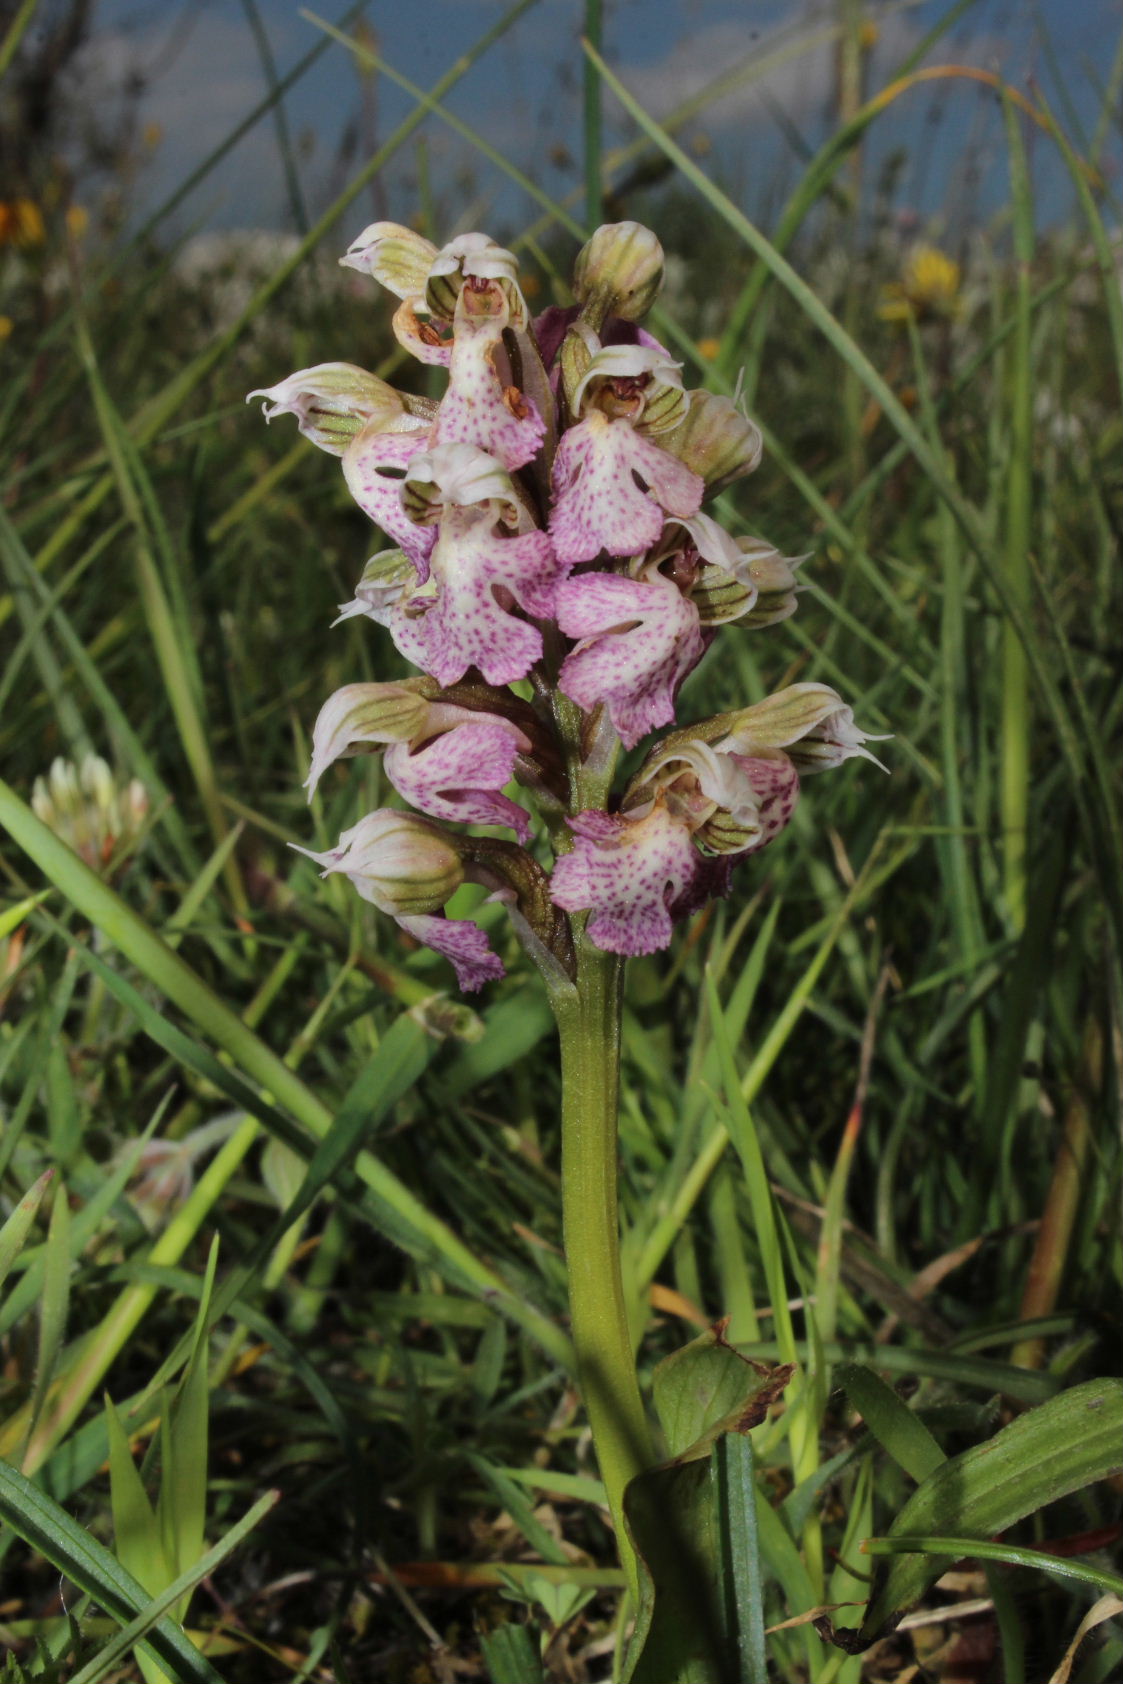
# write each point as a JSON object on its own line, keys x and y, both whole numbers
{"x": 773, "y": 575}
{"x": 783, "y": 719}
{"x": 618, "y": 273}
{"x": 715, "y": 441}
{"x": 720, "y": 597}
{"x": 364, "y": 717}
{"x": 394, "y": 255}
{"x": 404, "y": 865}
{"x": 332, "y": 402}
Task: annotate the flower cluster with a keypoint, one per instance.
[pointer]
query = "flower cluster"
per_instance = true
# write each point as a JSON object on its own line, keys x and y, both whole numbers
{"x": 547, "y": 531}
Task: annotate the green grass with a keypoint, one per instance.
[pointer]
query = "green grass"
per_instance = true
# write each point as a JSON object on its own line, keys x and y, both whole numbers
{"x": 852, "y": 1096}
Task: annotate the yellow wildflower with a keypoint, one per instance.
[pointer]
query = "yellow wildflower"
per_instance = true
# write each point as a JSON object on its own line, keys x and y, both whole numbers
{"x": 21, "y": 223}
{"x": 929, "y": 286}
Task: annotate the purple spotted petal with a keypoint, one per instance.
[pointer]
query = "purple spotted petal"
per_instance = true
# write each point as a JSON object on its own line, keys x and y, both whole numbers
{"x": 461, "y": 941}
{"x": 478, "y": 408}
{"x": 598, "y": 504}
{"x": 479, "y": 576}
{"x": 374, "y": 467}
{"x": 641, "y": 638}
{"x": 461, "y": 774}
{"x": 628, "y": 873}
{"x": 773, "y": 786}
{"x": 712, "y": 881}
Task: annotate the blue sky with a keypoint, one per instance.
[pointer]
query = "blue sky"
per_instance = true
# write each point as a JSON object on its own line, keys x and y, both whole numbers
{"x": 204, "y": 72}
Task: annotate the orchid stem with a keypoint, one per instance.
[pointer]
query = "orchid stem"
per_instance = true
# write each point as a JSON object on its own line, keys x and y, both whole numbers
{"x": 589, "y": 1027}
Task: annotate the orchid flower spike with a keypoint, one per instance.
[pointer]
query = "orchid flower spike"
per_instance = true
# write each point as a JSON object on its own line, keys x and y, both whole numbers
{"x": 555, "y": 578}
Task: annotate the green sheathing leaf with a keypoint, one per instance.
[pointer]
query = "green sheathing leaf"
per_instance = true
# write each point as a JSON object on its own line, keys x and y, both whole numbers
{"x": 742, "y": 1574}
{"x": 696, "y": 1526}
{"x": 680, "y": 1629}
{"x": 698, "y": 1389}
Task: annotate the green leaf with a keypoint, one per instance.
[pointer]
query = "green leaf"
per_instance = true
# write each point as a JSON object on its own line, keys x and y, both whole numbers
{"x": 694, "y": 1522}
{"x": 67, "y": 1546}
{"x": 13, "y": 916}
{"x": 672, "y": 1517}
{"x": 130, "y": 1635}
{"x": 136, "y": 1530}
{"x": 183, "y": 1486}
{"x": 1067, "y": 1443}
{"x": 54, "y": 1302}
{"x": 1012, "y": 1554}
{"x": 695, "y": 1527}
{"x": 14, "y": 1231}
{"x": 511, "y": 1656}
{"x": 740, "y": 1554}
{"x": 698, "y": 1388}
{"x": 891, "y": 1422}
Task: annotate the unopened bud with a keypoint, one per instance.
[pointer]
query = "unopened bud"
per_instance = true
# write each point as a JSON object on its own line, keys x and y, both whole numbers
{"x": 402, "y": 864}
{"x": 332, "y": 402}
{"x": 810, "y": 722}
{"x": 716, "y": 441}
{"x": 386, "y": 578}
{"x": 84, "y": 805}
{"x": 618, "y": 273}
{"x": 780, "y": 719}
{"x": 363, "y": 717}
{"x": 773, "y": 575}
{"x": 394, "y": 255}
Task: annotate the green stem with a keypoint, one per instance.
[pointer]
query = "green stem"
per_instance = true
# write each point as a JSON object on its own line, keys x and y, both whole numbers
{"x": 592, "y": 114}
{"x": 1015, "y": 760}
{"x": 589, "y": 1027}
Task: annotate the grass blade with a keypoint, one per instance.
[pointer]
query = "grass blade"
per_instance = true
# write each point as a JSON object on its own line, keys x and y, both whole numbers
{"x": 48, "y": 1528}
